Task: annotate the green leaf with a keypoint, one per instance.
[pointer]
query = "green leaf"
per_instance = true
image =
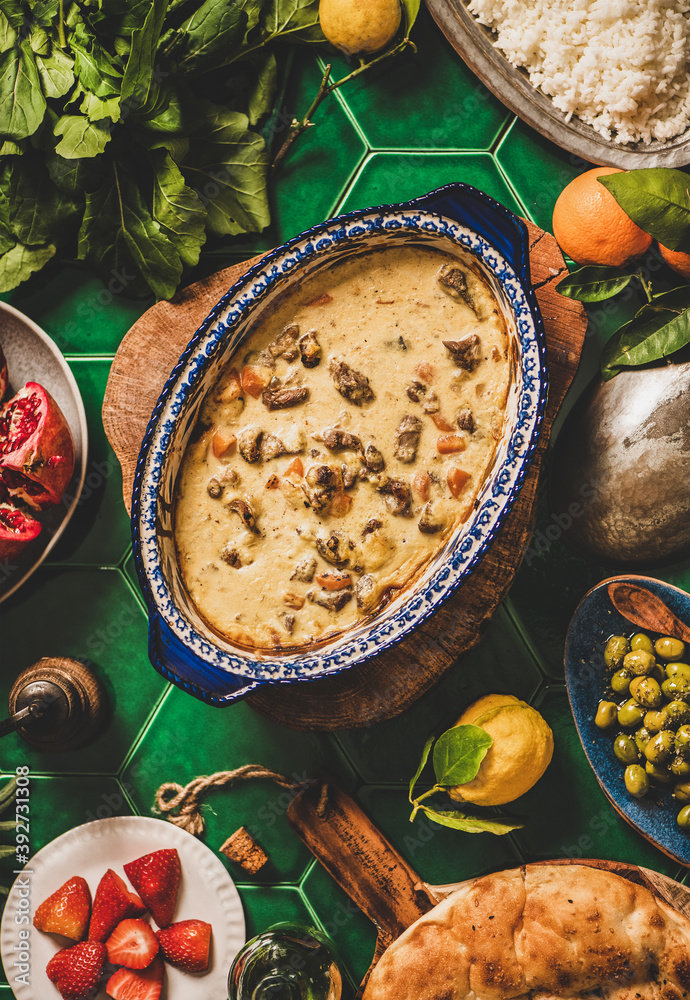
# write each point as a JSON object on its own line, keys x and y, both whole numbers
{"x": 6, "y": 851}
{"x": 121, "y": 17}
{"x": 458, "y": 754}
{"x": 207, "y": 39}
{"x": 119, "y": 235}
{"x": 22, "y": 104}
{"x": 56, "y": 72}
{"x": 39, "y": 40}
{"x": 20, "y": 263}
{"x": 227, "y": 166}
{"x": 38, "y": 212}
{"x": 425, "y": 756}
{"x": 594, "y": 284}
{"x": 659, "y": 329}
{"x": 410, "y": 11}
{"x": 138, "y": 75}
{"x": 472, "y": 824}
{"x": 7, "y": 795}
{"x": 263, "y": 92}
{"x": 178, "y": 211}
{"x": 8, "y": 35}
{"x": 97, "y": 109}
{"x": 10, "y": 148}
{"x": 80, "y": 137}
{"x": 657, "y": 200}
{"x": 74, "y": 177}
{"x": 93, "y": 66}
{"x": 297, "y": 20}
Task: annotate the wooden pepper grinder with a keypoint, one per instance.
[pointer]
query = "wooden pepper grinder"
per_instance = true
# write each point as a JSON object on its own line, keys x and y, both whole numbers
{"x": 56, "y": 704}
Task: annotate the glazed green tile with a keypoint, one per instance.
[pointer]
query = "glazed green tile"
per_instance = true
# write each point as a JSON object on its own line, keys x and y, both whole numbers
{"x": 99, "y": 531}
{"x": 81, "y": 313}
{"x": 425, "y": 100}
{"x": 437, "y": 854}
{"x": 353, "y": 934}
{"x": 130, "y": 572}
{"x": 567, "y": 813}
{"x": 91, "y": 615}
{"x": 268, "y": 905}
{"x": 537, "y": 169}
{"x": 390, "y": 751}
{"x": 188, "y": 738}
{"x": 393, "y": 177}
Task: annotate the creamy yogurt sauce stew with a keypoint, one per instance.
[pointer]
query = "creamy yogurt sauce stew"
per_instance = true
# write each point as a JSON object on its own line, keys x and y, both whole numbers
{"x": 345, "y": 441}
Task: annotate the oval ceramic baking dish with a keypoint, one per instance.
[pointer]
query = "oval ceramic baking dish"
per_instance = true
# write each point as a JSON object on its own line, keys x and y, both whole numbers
{"x": 456, "y": 219}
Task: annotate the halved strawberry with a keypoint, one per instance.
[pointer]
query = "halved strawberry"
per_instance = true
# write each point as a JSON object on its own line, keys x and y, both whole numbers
{"x": 67, "y": 911}
{"x": 112, "y": 903}
{"x": 133, "y": 944}
{"x": 186, "y": 944}
{"x": 125, "y": 984}
{"x": 156, "y": 877}
{"x": 76, "y": 971}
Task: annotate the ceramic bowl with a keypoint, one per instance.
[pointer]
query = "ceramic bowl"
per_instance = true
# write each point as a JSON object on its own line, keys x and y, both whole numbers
{"x": 594, "y": 621}
{"x": 457, "y": 219}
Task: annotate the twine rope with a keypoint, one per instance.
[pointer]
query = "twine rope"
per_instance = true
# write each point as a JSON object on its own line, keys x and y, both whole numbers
{"x": 182, "y": 804}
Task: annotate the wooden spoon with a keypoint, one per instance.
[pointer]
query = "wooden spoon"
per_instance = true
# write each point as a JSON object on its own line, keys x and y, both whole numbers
{"x": 641, "y": 607}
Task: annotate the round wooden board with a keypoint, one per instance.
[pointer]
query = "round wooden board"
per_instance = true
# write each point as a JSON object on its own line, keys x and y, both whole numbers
{"x": 390, "y": 683}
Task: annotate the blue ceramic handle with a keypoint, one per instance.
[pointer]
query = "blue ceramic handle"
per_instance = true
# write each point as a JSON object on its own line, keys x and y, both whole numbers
{"x": 476, "y": 210}
{"x": 176, "y": 663}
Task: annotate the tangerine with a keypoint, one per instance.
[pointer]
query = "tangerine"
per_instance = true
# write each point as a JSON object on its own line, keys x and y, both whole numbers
{"x": 360, "y": 26}
{"x": 677, "y": 260}
{"x": 590, "y": 225}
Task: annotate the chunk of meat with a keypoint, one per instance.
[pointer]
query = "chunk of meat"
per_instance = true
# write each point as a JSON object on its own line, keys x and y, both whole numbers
{"x": 351, "y": 384}
{"x": 415, "y": 390}
{"x": 349, "y": 476}
{"x": 457, "y": 480}
{"x": 466, "y": 353}
{"x": 334, "y": 581}
{"x": 255, "y": 378}
{"x": 339, "y": 440}
{"x": 453, "y": 281}
{"x": 407, "y": 438}
{"x": 397, "y": 493}
{"x": 447, "y": 444}
{"x": 249, "y": 444}
{"x": 373, "y": 524}
{"x": 305, "y": 569}
{"x": 333, "y": 600}
{"x": 215, "y": 488}
{"x": 464, "y": 418}
{"x": 321, "y": 483}
{"x": 281, "y": 397}
{"x": 431, "y": 403}
{"x": 431, "y": 519}
{"x": 295, "y": 601}
{"x": 245, "y": 512}
{"x": 373, "y": 459}
{"x": 272, "y": 447}
{"x": 288, "y": 622}
{"x": 231, "y": 556}
{"x": 309, "y": 349}
{"x": 285, "y": 344}
{"x": 335, "y": 548}
{"x": 366, "y": 592}
{"x": 229, "y": 387}
{"x": 425, "y": 371}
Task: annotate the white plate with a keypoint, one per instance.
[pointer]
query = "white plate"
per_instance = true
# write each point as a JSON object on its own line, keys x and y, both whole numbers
{"x": 206, "y": 892}
{"x": 33, "y": 357}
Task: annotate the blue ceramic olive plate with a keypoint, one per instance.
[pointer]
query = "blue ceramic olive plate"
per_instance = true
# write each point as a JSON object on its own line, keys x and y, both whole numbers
{"x": 594, "y": 621}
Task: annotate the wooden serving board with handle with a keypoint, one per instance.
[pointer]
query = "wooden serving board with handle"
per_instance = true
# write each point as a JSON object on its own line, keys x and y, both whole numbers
{"x": 384, "y": 885}
{"x": 391, "y": 682}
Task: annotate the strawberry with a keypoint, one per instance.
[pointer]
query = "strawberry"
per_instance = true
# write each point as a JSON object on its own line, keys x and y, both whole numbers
{"x": 133, "y": 944}
{"x": 112, "y": 903}
{"x": 67, "y": 911}
{"x": 186, "y": 944}
{"x": 156, "y": 877}
{"x": 144, "y": 985}
{"x": 76, "y": 971}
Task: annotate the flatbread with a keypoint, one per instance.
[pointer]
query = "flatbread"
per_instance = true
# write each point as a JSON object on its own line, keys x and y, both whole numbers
{"x": 547, "y": 932}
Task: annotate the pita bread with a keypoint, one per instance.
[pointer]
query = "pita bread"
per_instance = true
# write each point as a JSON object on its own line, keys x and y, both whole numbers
{"x": 547, "y": 932}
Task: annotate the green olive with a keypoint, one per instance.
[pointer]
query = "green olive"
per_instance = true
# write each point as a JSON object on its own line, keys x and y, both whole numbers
{"x": 656, "y": 720}
{"x": 681, "y": 792}
{"x": 615, "y": 650}
{"x": 642, "y": 641}
{"x": 683, "y": 741}
{"x": 676, "y": 687}
{"x": 659, "y": 674}
{"x": 678, "y": 669}
{"x": 646, "y": 691}
{"x": 620, "y": 682}
{"x": 636, "y": 781}
{"x": 606, "y": 714}
{"x": 680, "y": 767}
{"x": 642, "y": 737}
{"x": 683, "y": 818}
{"x": 630, "y": 715}
{"x": 625, "y": 749}
{"x": 678, "y": 712}
{"x": 668, "y": 648}
{"x": 639, "y": 661}
{"x": 661, "y": 747}
{"x": 658, "y": 773}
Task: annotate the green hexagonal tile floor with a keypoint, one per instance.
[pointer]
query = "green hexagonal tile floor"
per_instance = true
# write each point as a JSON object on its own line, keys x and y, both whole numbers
{"x": 407, "y": 127}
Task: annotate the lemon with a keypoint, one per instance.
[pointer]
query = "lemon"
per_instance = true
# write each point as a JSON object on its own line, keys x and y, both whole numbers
{"x": 519, "y": 755}
{"x": 359, "y": 25}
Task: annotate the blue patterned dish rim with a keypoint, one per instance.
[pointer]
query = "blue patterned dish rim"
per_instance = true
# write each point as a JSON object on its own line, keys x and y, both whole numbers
{"x": 457, "y": 219}
{"x": 594, "y": 621}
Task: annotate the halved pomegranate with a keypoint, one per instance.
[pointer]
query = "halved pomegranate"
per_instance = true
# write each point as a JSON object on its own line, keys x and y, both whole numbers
{"x": 4, "y": 377}
{"x": 36, "y": 447}
{"x": 16, "y": 530}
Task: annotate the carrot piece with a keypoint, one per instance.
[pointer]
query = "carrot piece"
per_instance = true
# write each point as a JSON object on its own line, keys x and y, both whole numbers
{"x": 421, "y": 484}
{"x": 425, "y": 371}
{"x": 321, "y": 300}
{"x": 273, "y": 483}
{"x": 333, "y": 581}
{"x": 449, "y": 443}
{"x": 340, "y": 505}
{"x": 231, "y": 387}
{"x": 295, "y": 468}
{"x": 457, "y": 480}
{"x": 255, "y": 378}
{"x": 441, "y": 422}
{"x": 222, "y": 443}
{"x": 293, "y": 600}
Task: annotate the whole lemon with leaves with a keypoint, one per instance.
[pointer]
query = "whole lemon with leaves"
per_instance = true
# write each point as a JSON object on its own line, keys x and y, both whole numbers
{"x": 360, "y": 26}
{"x": 521, "y": 751}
